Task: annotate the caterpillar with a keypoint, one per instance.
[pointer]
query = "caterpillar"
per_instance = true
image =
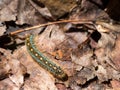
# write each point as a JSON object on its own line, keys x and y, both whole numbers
{"x": 43, "y": 61}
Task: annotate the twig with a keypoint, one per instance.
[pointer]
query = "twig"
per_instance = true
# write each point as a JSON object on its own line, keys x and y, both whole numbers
{"x": 50, "y": 23}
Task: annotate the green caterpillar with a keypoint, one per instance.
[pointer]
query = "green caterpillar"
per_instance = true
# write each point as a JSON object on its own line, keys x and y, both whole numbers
{"x": 43, "y": 61}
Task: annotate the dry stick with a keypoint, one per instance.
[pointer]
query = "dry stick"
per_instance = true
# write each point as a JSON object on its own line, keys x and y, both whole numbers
{"x": 50, "y": 23}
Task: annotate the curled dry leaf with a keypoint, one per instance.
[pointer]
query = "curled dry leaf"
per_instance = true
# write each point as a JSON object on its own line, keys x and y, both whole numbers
{"x": 103, "y": 26}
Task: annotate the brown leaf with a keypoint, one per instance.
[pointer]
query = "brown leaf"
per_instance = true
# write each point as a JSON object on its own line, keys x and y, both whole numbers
{"x": 13, "y": 69}
{"x": 59, "y": 8}
{"x": 115, "y": 54}
{"x": 39, "y": 78}
{"x": 8, "y": 10}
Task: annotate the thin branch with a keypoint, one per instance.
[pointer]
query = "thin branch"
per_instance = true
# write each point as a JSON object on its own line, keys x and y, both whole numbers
{"x": 50, "y": 23}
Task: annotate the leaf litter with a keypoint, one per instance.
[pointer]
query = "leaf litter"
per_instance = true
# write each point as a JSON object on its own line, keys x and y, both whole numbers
{"x": 91, "y": 60}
